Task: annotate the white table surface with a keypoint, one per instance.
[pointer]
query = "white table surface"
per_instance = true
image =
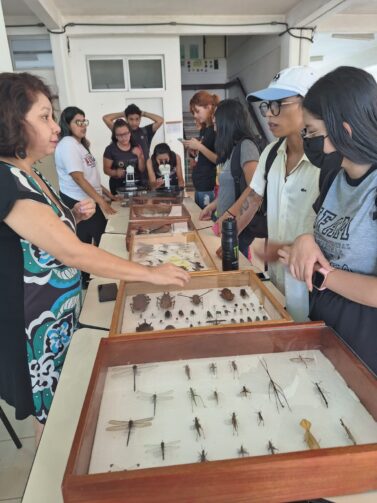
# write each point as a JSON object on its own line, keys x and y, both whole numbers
{"x": 117, "y": 223}
{"x": 44, "y": 485}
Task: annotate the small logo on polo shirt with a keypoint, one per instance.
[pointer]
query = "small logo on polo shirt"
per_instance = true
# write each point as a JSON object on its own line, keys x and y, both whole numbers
{"x": 276, "y": 78}
{"x": 303, "y": 190}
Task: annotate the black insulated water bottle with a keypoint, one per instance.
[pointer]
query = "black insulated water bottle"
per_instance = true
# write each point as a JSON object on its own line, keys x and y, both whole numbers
{"x": 229, "y": 244}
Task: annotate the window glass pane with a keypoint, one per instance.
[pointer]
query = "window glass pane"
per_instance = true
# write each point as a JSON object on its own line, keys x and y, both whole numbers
{"x": 31, "y": 53}
{"x": 107, "y": 73}
{"x": 145, "y": 73}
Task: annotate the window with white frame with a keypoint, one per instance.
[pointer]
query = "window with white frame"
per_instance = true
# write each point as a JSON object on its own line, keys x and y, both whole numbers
{"x": 125, "y": 73}
{"x": 31, "y": 52}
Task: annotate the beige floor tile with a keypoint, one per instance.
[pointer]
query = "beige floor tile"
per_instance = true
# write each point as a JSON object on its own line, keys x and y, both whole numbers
{"x": 22, "y": 428}
{"x": 15, "y": 465}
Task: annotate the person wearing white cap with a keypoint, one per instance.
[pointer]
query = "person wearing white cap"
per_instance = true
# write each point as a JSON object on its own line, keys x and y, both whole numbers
{"x": 292, "y": 182}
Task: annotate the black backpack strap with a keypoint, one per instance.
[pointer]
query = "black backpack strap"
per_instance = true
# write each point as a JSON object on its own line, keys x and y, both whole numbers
{"x": 269, "y": 162}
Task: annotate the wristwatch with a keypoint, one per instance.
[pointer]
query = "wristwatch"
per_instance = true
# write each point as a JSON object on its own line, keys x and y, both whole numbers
{"x": 319, "y": 278}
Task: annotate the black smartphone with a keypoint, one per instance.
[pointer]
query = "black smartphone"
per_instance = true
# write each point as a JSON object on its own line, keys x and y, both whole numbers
{"x": 107, "y": 292}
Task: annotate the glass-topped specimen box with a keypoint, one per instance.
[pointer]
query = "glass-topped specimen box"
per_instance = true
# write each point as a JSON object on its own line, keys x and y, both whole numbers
{"x": 185, "y": 249}
{"x": 271, "y": 435}
{"x": 150, "y": 211}
{"x": 156, "y": 227}
{"x": 209, "y": 299}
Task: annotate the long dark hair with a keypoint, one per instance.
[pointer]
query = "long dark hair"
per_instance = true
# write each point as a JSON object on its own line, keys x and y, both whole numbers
{"x": 232, "y": 124}
{"x": 117, "y": 125}
{"x": 163, "y": 148}
{"x": 65, "y": 120}
{"x": 18, "y": 93}
{"x": 347, "y": 94}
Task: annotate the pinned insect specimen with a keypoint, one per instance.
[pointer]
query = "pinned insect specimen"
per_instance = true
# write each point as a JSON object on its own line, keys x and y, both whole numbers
{"x": 209, "y": 314}
{"x": 265, "y": 317}
{"x": 166, "y": 301}
{"x": 198, "y": 428}
{"x": 192, "y": 312}
{"x": 193, "y": 396}
{"x": 162, "y": 448}
{"x": 180, "y": 312}
{"x": 271, "y": 448}
{"x": 257, "y": 318}
{"x": 140, "y": 302}
{"x": 234, "y": 423}
{"x": 309, "y": 438}
{"x": 188, "y": 372}
{"x": 244, "y": 392}
{"x": 241, "y": 320}
{"x": 213, "y": 369}
{"x": 242, "y": 452}
{"x": 249, "y": 319}
{"x": 260, "y": 418}
{"x": 203, "y": 456}
{"x": 197, "y": 266}
{"x": 154, "y": 397}
{"x": 234, "y": 368}
{"x": 129, "y": 425}
{"x": 167, "y": 315}
{"x": 277, "y": 390}
{"x": 348, "y": 432}
{"x": 196, "y": 299}
{"x": 227, "y": 294}
{"x": 244, "y": 293}
{"x": 302, "y": 359}
{"x": 322, "y": 393}
{"x": 134, "y": 369}
{"x": 233, "y": 320}
{"x": 215, "y": 396}
{"x": 144, "y": 327}
{"x": 169, "y": 327}
{"x": 216, "y": 321}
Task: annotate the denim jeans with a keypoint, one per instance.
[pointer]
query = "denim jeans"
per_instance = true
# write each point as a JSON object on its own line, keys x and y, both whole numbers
{"x": 200, "y": 195}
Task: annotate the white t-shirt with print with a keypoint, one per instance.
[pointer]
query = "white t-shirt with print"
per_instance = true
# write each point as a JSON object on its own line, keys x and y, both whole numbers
{"x": 70, "y": 156}
{"x": 289, "y": 214}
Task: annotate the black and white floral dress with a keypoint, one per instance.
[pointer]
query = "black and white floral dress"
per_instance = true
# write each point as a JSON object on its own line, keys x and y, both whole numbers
{"x": 40, "y": 303}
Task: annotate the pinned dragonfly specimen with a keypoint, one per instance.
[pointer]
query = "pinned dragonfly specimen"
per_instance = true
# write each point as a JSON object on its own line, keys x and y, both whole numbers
{"x": 234, "y": 368}
{"x": 154, "y": 397}
{"x": 244, "y": 392}
{"x": 322, "y": 393}
{"x": 198, "y": 428}
{"x": 309, "y": 438}
{"x": 271, "y": 448}
{"x": 162, "y": 448}
{"x": 188, "y": 372}
{"x": 348, "y": 432}
{"x": 277, "y": 390}
{"x": 213, "y": 369}
{"x": 129, "y": 425}
{"x": 216, "y": 321}
{"x": 202, "y": 456}
{"x": 193, "y": 396}
{"x": 260, "y": 418}
{"x": 302, "y": 359}
{"x": 242, "y": 452}
{"x": 135, "y": 370}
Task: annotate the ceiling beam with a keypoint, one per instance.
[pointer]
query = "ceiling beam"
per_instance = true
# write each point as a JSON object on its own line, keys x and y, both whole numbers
{"x": 349, "y": 23}
{"x": 311, "y": 13}
{"x": 47, "y": 12}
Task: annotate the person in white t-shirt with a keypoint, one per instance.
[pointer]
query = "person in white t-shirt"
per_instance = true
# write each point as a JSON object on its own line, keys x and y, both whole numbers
{"x": 292, "y": 183}
{"x": 79, "y": 176}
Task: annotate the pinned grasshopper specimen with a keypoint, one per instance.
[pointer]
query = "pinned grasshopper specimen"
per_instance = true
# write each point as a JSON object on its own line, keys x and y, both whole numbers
{"x": 203, "y": 456}
{"x": 242, "y": 452}
{"x": 193, "y": 396}
{"x": 309, "y": 438}
{"x": 198, "y": 428}
{"x": 271, "y": 448}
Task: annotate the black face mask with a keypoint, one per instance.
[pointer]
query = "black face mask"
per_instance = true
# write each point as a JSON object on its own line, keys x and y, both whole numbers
{"x": 313, "y": 148}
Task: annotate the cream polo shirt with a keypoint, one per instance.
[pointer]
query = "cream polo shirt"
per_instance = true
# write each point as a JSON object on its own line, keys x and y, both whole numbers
{"x": 289, "y": 200}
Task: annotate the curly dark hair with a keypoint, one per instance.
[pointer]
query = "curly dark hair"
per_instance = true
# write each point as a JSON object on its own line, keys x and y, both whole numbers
{"x": 18, "y": 93}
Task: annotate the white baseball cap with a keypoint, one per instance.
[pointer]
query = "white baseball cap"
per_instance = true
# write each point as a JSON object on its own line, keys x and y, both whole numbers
{"x": 288, "y": 82}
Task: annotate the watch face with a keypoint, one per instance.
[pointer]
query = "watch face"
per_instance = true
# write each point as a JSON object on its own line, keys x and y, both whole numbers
{"x": 317, "y": 279}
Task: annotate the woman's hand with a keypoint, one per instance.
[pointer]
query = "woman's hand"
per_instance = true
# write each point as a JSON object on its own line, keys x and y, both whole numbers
{"x": 83, "y": 210}
{"x": 120, "y": 173}
{"x": 193, "y": 144}
{"x": 304, "y": 258}
{"x": 168, "y": 274}
{"x": 106, "y": 208}
{"x": 206, "y": 212}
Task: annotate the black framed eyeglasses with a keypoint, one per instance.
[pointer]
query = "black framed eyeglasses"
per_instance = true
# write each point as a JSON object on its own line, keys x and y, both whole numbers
{"x": 274, "y": 106}
{"x": 81, "y": 123}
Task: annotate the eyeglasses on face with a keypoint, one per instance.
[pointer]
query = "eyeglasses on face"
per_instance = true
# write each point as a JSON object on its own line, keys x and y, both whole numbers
{"x": 274, "y": 106}
{"x": 81, "y": 123}
{"x": 123, "y": 135}
{"x": 304, "y": 134}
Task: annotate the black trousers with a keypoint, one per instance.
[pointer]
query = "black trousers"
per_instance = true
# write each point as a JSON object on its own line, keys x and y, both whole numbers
{"x": 88, "y": 231}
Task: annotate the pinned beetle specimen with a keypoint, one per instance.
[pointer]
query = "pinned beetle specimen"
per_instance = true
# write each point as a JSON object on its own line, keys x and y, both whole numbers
{"x": 140, "y": 302}
{"x": 243, "y": 293}
{"x": 196, "y": 299}
{"x": 167, "y": 315}
{"x": 144, "y": 327}
{"x": 227, "y": 294}
{"x": 166, "y": 301}
{"x": 169, "y": 327}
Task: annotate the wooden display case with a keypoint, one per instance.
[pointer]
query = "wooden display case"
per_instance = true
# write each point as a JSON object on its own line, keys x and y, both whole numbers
{"x": 191, "y": 238}
{"x": 157, "y": 227}
{"x": 148, "y": 212}
{"x": 281, "y": 477}
{"x": 155, "y": 198}
{"x": 201, "y": 281}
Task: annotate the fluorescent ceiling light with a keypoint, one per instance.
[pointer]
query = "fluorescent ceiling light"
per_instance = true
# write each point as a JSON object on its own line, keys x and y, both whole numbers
{"x": 354, "y": 36}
